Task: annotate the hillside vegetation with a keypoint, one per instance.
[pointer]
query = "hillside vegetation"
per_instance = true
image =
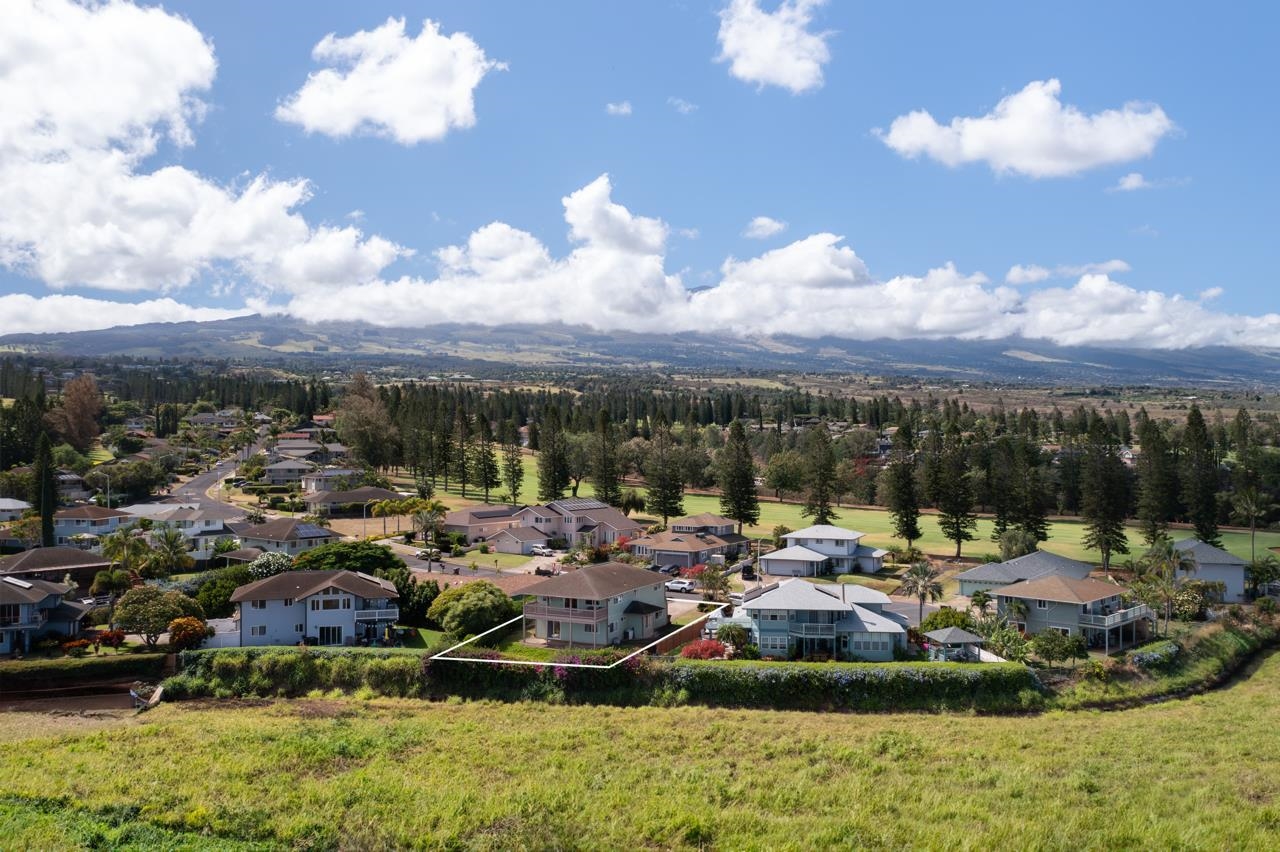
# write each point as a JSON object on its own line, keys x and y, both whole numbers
{"x": 322, "y": 773}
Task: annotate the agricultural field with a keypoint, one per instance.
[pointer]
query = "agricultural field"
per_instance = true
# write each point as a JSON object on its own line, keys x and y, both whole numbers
{"x": 346, "y": 773}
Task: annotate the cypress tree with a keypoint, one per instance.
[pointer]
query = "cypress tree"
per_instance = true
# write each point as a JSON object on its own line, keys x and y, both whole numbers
{"x": 1200, "y": 479}
{"x": 45, "y": 489}
{"x": 512, "y": 460}
{"x": 605, "y": 473}
{"x": 663, "y": 474}
{"x": 820, "y": 475}
{"x": 903, "y": 498}
{"x": 484, "y": 464}
{"x": 738, "y": 499}
{"x": 553, "y": 458}
{"x": 956, "y": 518}
{"x": 1103, "y": 494}
{"x": 1157, "y": 482}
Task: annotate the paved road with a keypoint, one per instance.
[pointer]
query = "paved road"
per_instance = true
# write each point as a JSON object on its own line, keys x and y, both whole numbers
{"x": 194, "y": 490}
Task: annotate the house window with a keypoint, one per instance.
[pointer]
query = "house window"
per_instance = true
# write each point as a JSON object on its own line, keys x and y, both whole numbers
{"x": 331, "y": 635}
{"x": 288, "y": 601}
{"x": 588, "y": 628}
{"x": 297, "y": 628}
{"x": 1065, "y": 631}
{"x": 1042, "y": 604}
{"x": 346, "y": 603}
{"x": 612, "y": 629}
{"x": 258, "y": 605}
{"x": 329, "y": 603}
{"x": 258, "y": 630}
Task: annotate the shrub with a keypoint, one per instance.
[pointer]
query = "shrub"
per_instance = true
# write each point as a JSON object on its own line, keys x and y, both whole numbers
{"x": 97, "y": 616}
{"x": 1267, "y": 606}
{"x": 484, "y": 547}
{"x": 112, "y": 638}
{"x": 947, "y": 617}
{"x": 1156, "y": 656}
{"x": 187, "y": 633}
{"x": 76, "y": 647}
{"x": 703, "y": 649}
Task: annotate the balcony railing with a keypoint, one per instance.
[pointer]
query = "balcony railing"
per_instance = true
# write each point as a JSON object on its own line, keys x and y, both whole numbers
{"x": 19, "y": 621}
{"x": 390, "y": 614}
{"x": 1123, "y": 616}
{"x": 813, "y": 629}
{"x": 561, "y": 613}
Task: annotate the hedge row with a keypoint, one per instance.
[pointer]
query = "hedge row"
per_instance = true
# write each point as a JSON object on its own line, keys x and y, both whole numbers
{"x": 31, "y": 674}
{"x": 290, "y": 672}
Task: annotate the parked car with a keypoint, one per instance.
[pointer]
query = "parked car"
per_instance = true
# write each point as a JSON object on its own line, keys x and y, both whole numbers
{"x": 429, "y": 553}
{"x": 748, "y": 572}
{"x": 681, "y": 585}
{"x": 541, "y": 550}
{"x": 653, "y": 566}
{"x": 737, "y": 598}
{"x": 670, "y": 569}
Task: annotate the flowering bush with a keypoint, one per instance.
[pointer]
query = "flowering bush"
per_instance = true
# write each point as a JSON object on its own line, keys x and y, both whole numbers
{"x": 703, "y": 649}
{"x": 76, "y": 647}
{"x": 187, "y": 633}
{"x": 112, "y": 638}
{"x": 694, "y": 572}
{"x": 1155, "y": 656}
{"x": 270, "y": 564}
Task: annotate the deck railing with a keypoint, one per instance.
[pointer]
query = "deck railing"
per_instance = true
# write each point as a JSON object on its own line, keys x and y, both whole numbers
{"x": 1114, "y": 619}
{"x": 561, "y": 613}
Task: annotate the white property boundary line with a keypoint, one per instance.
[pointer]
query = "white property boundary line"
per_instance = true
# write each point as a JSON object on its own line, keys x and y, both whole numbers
{"x": 441, "y": 655}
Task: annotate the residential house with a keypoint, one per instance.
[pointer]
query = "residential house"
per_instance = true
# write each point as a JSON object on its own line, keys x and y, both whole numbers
{"x": 330, "y": 502}
{"x": 71, "y": 487}
{"x": 689, "y": 541}
{"x": 799, "y": 619}
{"x": 598, "y": 605}
{"x": 33, "y": 608}
{"x": 55, "y": 564}
{"x": 580, "y": 520}
{"x": 521, "y": 540}
{"x": 1216, "y": 565}
{"x": 11, "y": 510}
{"x": 822, "y": 549}
{"x": 203, "y": 529}
{"x": 1090, "y": 607}
{"x": 285, "y": 535}
{"x": 1032, "y": 566}
{"x": 84, "y": 524}
{"x": 318, "y": 607}
{"x": 286, "y": 472}
{"x": 329, "y": 479}
{"x": 478, "y": 523}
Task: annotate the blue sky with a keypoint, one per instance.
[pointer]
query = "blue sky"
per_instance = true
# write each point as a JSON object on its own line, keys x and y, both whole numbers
{"x": 927, "y": 246}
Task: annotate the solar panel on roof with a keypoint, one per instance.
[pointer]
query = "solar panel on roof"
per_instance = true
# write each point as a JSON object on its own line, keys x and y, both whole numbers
{"x": 14, "y": 581}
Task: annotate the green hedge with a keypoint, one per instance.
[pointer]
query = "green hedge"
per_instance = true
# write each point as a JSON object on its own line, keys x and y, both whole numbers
{"x": 810, "y": 686}
{"x": 30, "y": 674}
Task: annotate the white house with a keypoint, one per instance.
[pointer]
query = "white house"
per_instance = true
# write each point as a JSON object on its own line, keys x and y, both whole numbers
{"x": 285, "y": 535}
{"x": 1216, "y": 565}
{"x": 287, "y": 471}
{"x": 822, "y": 549}
{"x": 576, "y": 519}
{"x": 85, "y": 521}
{"x": 328, "y": 479}
{"x": 11, "y": 510}
{"x": 598, "y": 605}
{"x": 845, "y": 621}
{"x": 202, "y": 529}
{"x": 318, "y": 607}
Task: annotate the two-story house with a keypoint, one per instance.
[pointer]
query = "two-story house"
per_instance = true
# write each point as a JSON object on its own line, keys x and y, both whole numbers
{"x": 202, "y": 528}
{"x": 1032, "y": 566}
{"x": 690, "y": 541}
{"x": 799, "y": 619}
{"x": 598, "y": 605}
{"x": 285, "y": 535}
{"x": 1216, "y": 565}
{"x": 31, "y": 608}
{"x": 331, "y": 502}
{"x": 822, "y": 549}
{"x": 55, "y": 564}
{"x": 286, "y": 472}
{"x": 71, "y": 526}
{"x": 329, "y": 479}
{"x": 580, "y": 520}
{"x": 1090, "y": 607}
{"x": 317, "y": 607}
{"x": 478, "y": 523}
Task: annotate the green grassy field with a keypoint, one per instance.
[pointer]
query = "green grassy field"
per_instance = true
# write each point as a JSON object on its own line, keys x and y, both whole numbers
{"x": 342, "y": 773}
{"x": 1065, "y": 537}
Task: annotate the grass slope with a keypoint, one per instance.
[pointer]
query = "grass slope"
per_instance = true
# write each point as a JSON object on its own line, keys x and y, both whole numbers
{"x": 330, "y": 773}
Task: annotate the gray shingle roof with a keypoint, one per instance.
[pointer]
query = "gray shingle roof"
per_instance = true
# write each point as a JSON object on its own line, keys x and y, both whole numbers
{"x": 1039, "y": 563}
{"x": 954, "y": 636}
{"x": 301, "y": 584}
{"x": 1207, "y": 554}
{"x": 596, "y": 582}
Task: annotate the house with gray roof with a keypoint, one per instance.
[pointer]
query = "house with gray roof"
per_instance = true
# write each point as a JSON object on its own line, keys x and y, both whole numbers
{"x": 285, "y": 535}
{"x": 1216, "y": 565}
{"x": 1094, "y": 608}
{"x": 54, "y": 564}
{"x": 330, "y": 502}
{"x": 580, "y": 519}
{"x": 1032, "y": 566}
{"x": 31, "y": 608}
{"x": 11, "y": 509}
{"x": 519, "y": 540}
{"x": 598, "y": 605}
{"x": 287, "y": 471}
{"x": 797, "y": 618}
{"x": 478, "y": 523}
{"x": 822, "y": 549}
{"x": 318, "y": 607}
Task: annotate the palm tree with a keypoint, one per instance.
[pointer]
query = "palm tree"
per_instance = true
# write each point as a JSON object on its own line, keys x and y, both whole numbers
{"x": 1015, "y": 609}
{"x": 108, "y": 582}
{"x": 981, "y": 600}
{"x": 1163, "y": 568}
{"x": 1263, "y": 572}
{"x": 920, "y": 581}
{"x": 169, "y": 554}
{"x": 1250, "y": 507}
{"x": 427, "y": 517}
{"x": 125, "y": 549}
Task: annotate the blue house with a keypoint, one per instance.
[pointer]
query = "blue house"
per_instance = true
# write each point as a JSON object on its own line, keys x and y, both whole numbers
{"x": 846, "y": 621}
{"x": 33, "y": 608}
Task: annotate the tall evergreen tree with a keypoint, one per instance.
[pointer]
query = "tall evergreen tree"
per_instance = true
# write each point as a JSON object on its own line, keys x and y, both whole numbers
{"x": 1200, "y": 479}
{"x": 820, "y": 475}
{"x": 512, "y": 460}
{"x": 1104, "y": 494}
{"x": 484, "y": 463}
{"x": 954, "y": 492}
{"x": 553, "y": 458}
{"x": 737, "y": 475}
{"x": 464, "y": 452}
{"x": 1157, "y": 482}
{"x": 45, "y": 489}
{"x": 1030, "y": 511}
{"x": 606, "y": 473}
{"x": 663, "y": 474}
{"x": 903, "y": 497}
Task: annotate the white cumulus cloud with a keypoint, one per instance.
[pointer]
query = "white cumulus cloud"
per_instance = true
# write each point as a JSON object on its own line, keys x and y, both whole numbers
{"x": 623, "y": 108}
{"x": 773, "y": 48}
{"x": 384, "y": 82}
{"x": 1034, "y": 273}
{"x": 681, "y": 106}
{"x": 763, "y": 227}
{"x": 24, "y": 313}
{"x": 88, "y": 93}
{"x": 1032, "y": 133}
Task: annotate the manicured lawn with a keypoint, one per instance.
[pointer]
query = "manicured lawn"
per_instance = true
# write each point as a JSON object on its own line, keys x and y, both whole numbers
{"x": 502, "y": 561}
{"x": 1196, "y": 773}
{"x": 99, "y": 454}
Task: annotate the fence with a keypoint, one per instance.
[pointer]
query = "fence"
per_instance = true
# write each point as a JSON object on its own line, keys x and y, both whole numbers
{"x": 677, "y": 638}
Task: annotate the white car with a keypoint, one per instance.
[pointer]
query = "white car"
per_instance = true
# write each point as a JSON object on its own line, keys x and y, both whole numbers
{"x": 541, "y": 550}
{"x": 681, "y": 585}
